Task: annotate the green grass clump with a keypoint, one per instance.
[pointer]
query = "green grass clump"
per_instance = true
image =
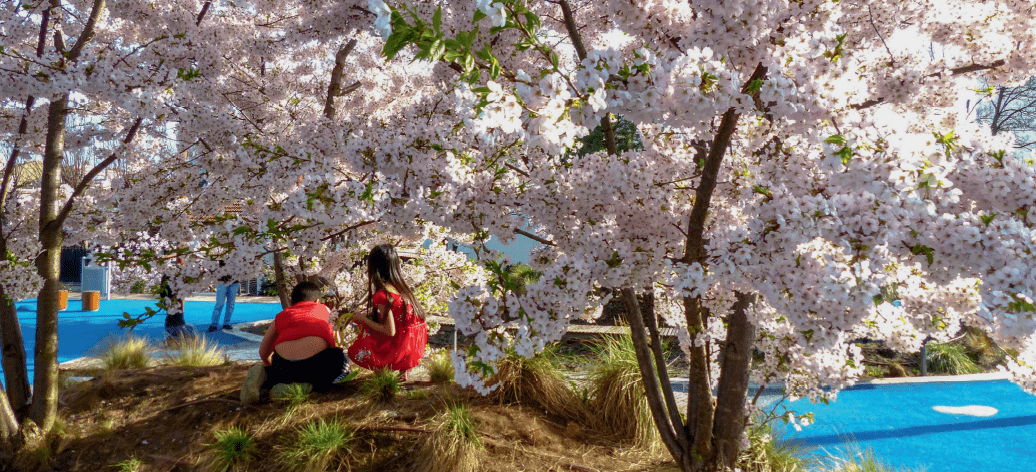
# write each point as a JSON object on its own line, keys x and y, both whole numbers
{"x": 317, "y": 445}
{"x": 440, "y": 366}
{"x": 130, "y": 352}
{"x": 453, "y": 446}
{"x": 617, "y": 394}
{"x": 295, "y": 394}
{"x": 233, "y": 446}
{"x": 196, "y": 351}
{"x": 863, "y": 461}
{"x": 382, "y": 387}
{"x": 950, "y": 358}
{"x": 129, "y": 465}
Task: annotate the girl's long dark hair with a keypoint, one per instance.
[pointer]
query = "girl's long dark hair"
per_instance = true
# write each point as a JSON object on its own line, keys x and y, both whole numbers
{"x": 382, "y": 270}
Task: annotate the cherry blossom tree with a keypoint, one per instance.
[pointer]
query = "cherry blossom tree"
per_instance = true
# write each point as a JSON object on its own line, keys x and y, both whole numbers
{"x": 796, "y": 160}
{"x": 159, "y": 78}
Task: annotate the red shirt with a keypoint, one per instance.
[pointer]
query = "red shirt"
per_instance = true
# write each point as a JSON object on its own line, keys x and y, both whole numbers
{"x": 303, "y": 319}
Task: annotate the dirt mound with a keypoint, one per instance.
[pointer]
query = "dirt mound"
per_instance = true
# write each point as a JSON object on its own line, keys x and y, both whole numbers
{"x": 166, "y": 418}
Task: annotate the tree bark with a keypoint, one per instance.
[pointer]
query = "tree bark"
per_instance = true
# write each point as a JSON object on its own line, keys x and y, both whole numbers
{"x": 48, "y": 265}
{"x": 733, "y": 382}
{"x": 8, "y": 422}
{"x": 16, "y": 376}
{"x": 278, "y": 276}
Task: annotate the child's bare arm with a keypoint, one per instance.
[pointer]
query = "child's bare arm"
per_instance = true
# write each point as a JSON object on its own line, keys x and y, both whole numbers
{"x": 387, "y": 326}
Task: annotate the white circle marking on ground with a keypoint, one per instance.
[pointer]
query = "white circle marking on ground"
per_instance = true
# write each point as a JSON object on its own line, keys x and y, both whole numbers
{"x": 969, "y": 410}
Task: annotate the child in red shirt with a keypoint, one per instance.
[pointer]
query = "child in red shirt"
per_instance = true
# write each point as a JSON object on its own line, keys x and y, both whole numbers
{"x": 299, "y": 347}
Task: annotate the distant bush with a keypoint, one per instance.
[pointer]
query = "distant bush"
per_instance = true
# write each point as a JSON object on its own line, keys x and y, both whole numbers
{"x": 950, "y": 358}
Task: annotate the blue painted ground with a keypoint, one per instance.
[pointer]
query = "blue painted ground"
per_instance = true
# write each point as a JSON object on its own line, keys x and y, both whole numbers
{"x": 898, "y": 423}
{"x": 82, "y": 333}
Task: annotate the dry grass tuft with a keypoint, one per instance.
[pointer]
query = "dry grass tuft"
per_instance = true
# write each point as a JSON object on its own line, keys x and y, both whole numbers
{"x": 440, "y": 366}
{"x": 453, "y": 446}
{"x": 856, "y": 460}
{"x": 130, "y": 352}
{"x": 195, "y": 351}
{"x": 617, "y": 394}
{"x": 770, "y": 451}
{"x": 538, "y": 381}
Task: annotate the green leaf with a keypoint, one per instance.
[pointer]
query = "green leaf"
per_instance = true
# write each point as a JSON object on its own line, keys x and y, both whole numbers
{"x": 436, "y": 50}
{"x": 755, "y": 85}
{"x": 478, "y": 16}
{"x": 987, "y": 219}
{"x": 395, "y": 42}
{"x": 845, "y": 154}
{"x": 437, "y": 19}
{"x": 837, "y": 140}
{"x": 922, "y": 249}
{"x": 532, "y": 20}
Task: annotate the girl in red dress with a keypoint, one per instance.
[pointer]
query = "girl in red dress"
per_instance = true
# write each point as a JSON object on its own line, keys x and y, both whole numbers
{"x": 395, "y": 334}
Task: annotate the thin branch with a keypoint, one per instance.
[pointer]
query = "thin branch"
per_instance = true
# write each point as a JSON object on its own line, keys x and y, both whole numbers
{"x": 88, "y": 31}
{"x": 955, "y": 71}
{"x": 89, "y": 177}
{"x": 871, "y": 13}
{"x": 665, "y": 426}
{"x": 509, "y": 166}
{"x": 348, "y": 229}
{"x": 663, "y": 372}
{"x": 9, "y": 167}
{"x": 204, "y": 10}
{"x": 350, "y": 88}
{"x": 534, "y": 237}
{"x": 333, "y": 89}
{"x": 573, "y": 31}
{"x": 44, "y": 21}
{"x": 203, "y": 400}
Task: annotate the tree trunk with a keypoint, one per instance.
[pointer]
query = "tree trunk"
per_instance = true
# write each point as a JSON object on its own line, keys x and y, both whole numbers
{"x": 48, "y": 264}
{"x": 8, "y": 422}
{"x": 16, "y": 376}
{"x": 733, "y": 382}
{"x": 278, "y": 275}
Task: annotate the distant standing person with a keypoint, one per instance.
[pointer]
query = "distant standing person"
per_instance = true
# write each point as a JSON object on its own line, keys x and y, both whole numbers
{"x": 394, "y": 335}
{"x": 226, "y": 292}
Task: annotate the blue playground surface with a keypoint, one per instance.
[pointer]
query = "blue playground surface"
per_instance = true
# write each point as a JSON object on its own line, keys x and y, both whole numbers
{"x": 85, "y": 333}
{"x": 899, "y": 424}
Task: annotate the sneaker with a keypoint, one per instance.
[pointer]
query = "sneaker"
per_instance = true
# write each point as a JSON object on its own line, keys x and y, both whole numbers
{"x": 212, "y": 328}
{"x": 253, "y": 380}
{"x": 280, "y": 391}
{"x": 228, "y": 327}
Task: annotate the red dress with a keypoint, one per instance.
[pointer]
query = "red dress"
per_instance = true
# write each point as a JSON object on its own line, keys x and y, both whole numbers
{"x": 374, "y": 351}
